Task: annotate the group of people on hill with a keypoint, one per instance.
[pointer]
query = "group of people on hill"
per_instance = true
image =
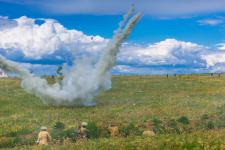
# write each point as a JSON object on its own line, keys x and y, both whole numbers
{"x": 212, "y": 75}
{"x": 173, "y": 75}
{"x": 44, "y": 137}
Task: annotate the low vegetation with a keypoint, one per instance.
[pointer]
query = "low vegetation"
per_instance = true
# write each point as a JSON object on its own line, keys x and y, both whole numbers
{"x": 189, "y": 112}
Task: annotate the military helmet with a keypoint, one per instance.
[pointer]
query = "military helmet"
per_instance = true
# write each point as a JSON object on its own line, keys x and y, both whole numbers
{"x": 154, "y": 129}
{"x": 84, "y": 124}
{"x": 43, "y": 128}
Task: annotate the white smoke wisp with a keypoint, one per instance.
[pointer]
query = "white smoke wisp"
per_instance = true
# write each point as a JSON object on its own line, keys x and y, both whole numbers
{"x": 84, "y": 81}
{"x": 125, "y": 17}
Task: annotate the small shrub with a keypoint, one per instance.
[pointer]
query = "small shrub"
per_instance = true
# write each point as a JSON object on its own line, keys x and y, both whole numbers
{"x": 143, "y": 125}
{"x": 27, "y": 142}
{"x": 183, "y": 120}
{"x": 94, "y": 130}
{"x": 58, "y": 135}
{"x": 64, "y": 134}
{"x": 198, "y": 125}
{"x": 131, "y": 129}
{"x": 157, "y": 122}
{"x": 106, "y": 134}
{"x": 177, "y": 130}
{"x": 204, "y": 117}
{"x": 188, "y": 129}
{"x": 221, "y": 110}
{"x": 71, "y": 133}
{"x": 59, "y": 125}
{"x": 210, "y": 125}
{"x": 172, "y": 123}
{"x": 221, "y": 124}
{"x": 11, "y": 143}
{"x": 13, "y": 134}
{"x": 161, "y": 129}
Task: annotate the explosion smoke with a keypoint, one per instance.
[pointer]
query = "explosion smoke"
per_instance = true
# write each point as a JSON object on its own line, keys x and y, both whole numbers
{"x": 84, "y": 81}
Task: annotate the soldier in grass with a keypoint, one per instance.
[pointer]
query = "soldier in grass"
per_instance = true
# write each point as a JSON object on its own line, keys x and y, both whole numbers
{"x": 150, "y": 133}
{"x": 44, "y": 137}
{"x": 113, "y": 129}
{"x": 82, "y": 131}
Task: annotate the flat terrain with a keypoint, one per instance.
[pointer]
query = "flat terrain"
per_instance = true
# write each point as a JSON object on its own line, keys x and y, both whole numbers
{"x": 188, "y": 111}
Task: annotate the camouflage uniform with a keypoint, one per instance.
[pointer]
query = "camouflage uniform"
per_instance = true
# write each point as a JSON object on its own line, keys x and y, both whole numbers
{"x": 83, "y": 133}
{"x": 150, "y": 133}
{"x": 114, "y": 131}
{"x": 43, "y": 138}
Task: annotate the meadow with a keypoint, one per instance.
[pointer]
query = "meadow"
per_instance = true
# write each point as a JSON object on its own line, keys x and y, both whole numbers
{"x": 188, "y": 111}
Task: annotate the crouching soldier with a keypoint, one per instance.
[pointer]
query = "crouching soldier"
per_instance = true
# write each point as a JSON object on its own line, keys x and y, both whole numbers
{"x": 113, "y": 129}
{"x": 82, "y": 131}
{"x": 150, "y": 133}
{"x": 44, "y": 137}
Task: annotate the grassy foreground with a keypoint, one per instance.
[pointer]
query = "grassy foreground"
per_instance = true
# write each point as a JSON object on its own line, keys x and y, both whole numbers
{"x": 188, "y": 111}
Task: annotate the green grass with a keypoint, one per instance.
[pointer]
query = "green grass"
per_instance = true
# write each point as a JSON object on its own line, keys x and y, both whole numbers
{"x": 159, "y": 102}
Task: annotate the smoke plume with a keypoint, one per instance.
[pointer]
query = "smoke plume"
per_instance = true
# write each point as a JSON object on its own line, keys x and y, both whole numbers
{"x": 84, "y": 81}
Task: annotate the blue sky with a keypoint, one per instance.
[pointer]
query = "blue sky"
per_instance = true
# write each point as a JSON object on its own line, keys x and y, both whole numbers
{"x": 175, "y": 36}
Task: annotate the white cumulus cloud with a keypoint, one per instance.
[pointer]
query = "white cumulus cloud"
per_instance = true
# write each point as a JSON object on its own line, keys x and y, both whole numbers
{"x": 21, "y": 37}
{"x": 222, "y": 46}
{"x": 168, "y": 52}
{"x": 35, "y": 40}
{"x": 210, "y": 21}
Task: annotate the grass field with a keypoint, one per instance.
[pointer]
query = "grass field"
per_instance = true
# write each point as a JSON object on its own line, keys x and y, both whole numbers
{"x": 188, "y": 111}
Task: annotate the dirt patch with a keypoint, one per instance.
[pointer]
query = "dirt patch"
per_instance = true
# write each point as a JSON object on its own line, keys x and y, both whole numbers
{"x": 2, "y": 139}
{"x": 165, "y": 121}
{"x": 146, "y": 125}
{"x": 193, "y": 121}
{"x": 214, "y": 117}
{"x": 32, "y": 135}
